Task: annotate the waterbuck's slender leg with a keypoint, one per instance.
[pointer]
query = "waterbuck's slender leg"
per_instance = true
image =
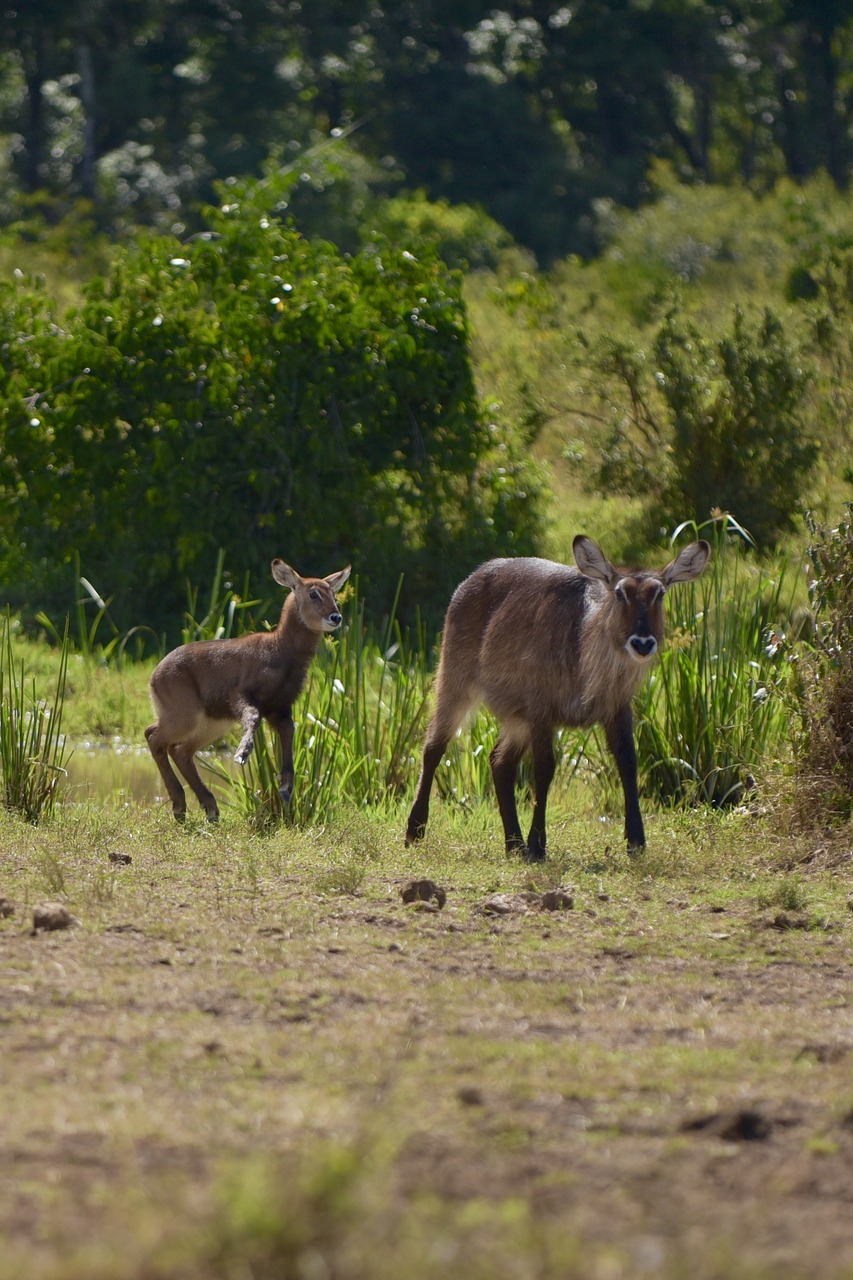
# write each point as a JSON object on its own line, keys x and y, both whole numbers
{"x": 620, "y": 739}
{"x": 419, "y": 814}
{"x": 543, "y": 773}
{"x": 283, "y": 725}
{"x": 504, "y": 759}
{"x": 160, "y": 752}
{"x": 456, "y": 694}
{"x": 184, "y": 757}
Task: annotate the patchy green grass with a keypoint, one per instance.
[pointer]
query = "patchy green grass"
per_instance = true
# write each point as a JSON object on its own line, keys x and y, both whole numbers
{"x": 249, "y": 1058}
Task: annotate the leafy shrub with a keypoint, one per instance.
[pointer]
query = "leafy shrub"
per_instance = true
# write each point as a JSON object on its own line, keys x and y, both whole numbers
{"x": 824, "y": 772}
{"x": 701, "y": 424}
{"x": 259, "y": 392}
{"x": 464, "y": 236}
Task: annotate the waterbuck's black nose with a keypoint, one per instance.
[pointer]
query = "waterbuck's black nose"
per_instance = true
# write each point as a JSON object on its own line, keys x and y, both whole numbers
{"x": 643, "y": 646}
{"x": 335, "y": 619}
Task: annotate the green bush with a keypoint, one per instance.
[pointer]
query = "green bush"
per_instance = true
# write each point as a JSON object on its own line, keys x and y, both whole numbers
{"x": 464, "y": 236}
{"x": 703, "y": 424}
{"x": 824, "y": 769}
{"x": 254, "y": 391}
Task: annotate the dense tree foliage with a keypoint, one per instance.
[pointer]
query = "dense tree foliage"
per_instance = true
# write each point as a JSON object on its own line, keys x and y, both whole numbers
{"x": 259, "y": 392}
{"x": 537, "y": 111}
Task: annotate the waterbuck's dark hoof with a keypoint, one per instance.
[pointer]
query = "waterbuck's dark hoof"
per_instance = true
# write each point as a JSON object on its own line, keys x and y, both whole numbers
{"x": 533, "y": 855}
{"x": 286, "y": 794}
{"x": 634, "y": 850}
{"x": 415, "y": 831}
{"x": 516, "y": 848}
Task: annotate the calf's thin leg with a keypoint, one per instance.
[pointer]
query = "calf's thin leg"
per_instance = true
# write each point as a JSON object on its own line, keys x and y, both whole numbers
{"x": 160, "y": 751}
{"x": 183, "y": 755}
{"x": 283, "y": 726}
{"x": 250, "y": 718}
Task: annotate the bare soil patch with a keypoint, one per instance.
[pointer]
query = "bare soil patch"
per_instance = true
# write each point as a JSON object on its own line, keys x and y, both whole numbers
{"x": 220, "y": 1067}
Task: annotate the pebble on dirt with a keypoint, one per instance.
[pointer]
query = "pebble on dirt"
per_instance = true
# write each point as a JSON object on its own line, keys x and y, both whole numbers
{"x": 52, "y": 915}
{"x": 504, "y": 904}
{"x": 423, "y": 891}
{"x": 557, "y": 900}
{"x": 741, "y": 1125}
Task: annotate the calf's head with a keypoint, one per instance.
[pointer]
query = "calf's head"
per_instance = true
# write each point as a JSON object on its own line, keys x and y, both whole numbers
{"x": 315, "y": 597}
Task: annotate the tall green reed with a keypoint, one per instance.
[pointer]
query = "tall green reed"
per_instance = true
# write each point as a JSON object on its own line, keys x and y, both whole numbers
{"x": 88, "y": 627}
{"x": 33, "y": 752}
{"x": 715, "y": 710}
{"x": 227, "y": 613}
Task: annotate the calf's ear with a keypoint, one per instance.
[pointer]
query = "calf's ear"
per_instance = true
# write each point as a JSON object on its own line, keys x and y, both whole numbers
{"x": 284, "y": 575}
{"x": 337, "y": 580}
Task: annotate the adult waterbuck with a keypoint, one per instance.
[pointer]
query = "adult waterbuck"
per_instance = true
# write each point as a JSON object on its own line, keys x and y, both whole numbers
{"x": 200, "y": 689}
{"x": 545, "y": 645}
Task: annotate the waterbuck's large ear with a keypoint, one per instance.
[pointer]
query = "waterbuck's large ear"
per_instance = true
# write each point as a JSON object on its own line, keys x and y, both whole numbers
{"x": 592, "y": 561}
{"x": 337, "y": 580}
{"x": 688, "y": 564}
{"x": 284, "y": 575}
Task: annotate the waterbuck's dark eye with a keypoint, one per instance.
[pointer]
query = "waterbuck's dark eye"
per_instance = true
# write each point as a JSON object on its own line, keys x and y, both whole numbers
{"x": 314, "y": 593}
{"x": 619, "y": 593}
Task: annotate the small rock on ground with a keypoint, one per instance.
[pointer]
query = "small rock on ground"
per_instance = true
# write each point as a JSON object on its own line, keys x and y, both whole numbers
{"x": 557, "y": 900}
{"x": 423, "y": 891}
{"x": 52, "y": 915}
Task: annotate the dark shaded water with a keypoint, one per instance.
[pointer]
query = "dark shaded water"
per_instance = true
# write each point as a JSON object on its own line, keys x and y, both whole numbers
{"x": 118, "y": 770}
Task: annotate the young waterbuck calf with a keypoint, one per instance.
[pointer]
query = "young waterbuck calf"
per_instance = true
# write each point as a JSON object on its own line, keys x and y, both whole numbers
{"x": 200, "y": 689}
{"x": 544, "y": 645}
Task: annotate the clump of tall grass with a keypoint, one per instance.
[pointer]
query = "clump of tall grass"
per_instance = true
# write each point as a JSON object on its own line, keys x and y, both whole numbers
{"x": 715, "y": 710}
{"x": 227, "y": 614}
{"x": 824, "y": 684}
{"x": 88, "y": 628}
{"x": 33, "y": 752}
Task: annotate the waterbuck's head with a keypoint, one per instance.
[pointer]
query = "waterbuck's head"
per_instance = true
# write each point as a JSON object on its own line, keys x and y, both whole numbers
{"x": 634, "y": 617}
{"x": 314, "y": 597}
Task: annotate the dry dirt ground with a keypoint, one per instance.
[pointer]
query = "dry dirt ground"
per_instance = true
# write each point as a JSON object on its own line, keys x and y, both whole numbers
{"x": 236, "y": 1064}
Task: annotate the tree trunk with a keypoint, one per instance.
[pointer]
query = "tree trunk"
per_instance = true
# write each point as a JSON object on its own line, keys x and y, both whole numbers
{"x": 34, "y": 140}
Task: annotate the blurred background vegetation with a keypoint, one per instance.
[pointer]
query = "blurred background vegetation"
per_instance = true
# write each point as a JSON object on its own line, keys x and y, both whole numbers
{"x": 411, "y": 286}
